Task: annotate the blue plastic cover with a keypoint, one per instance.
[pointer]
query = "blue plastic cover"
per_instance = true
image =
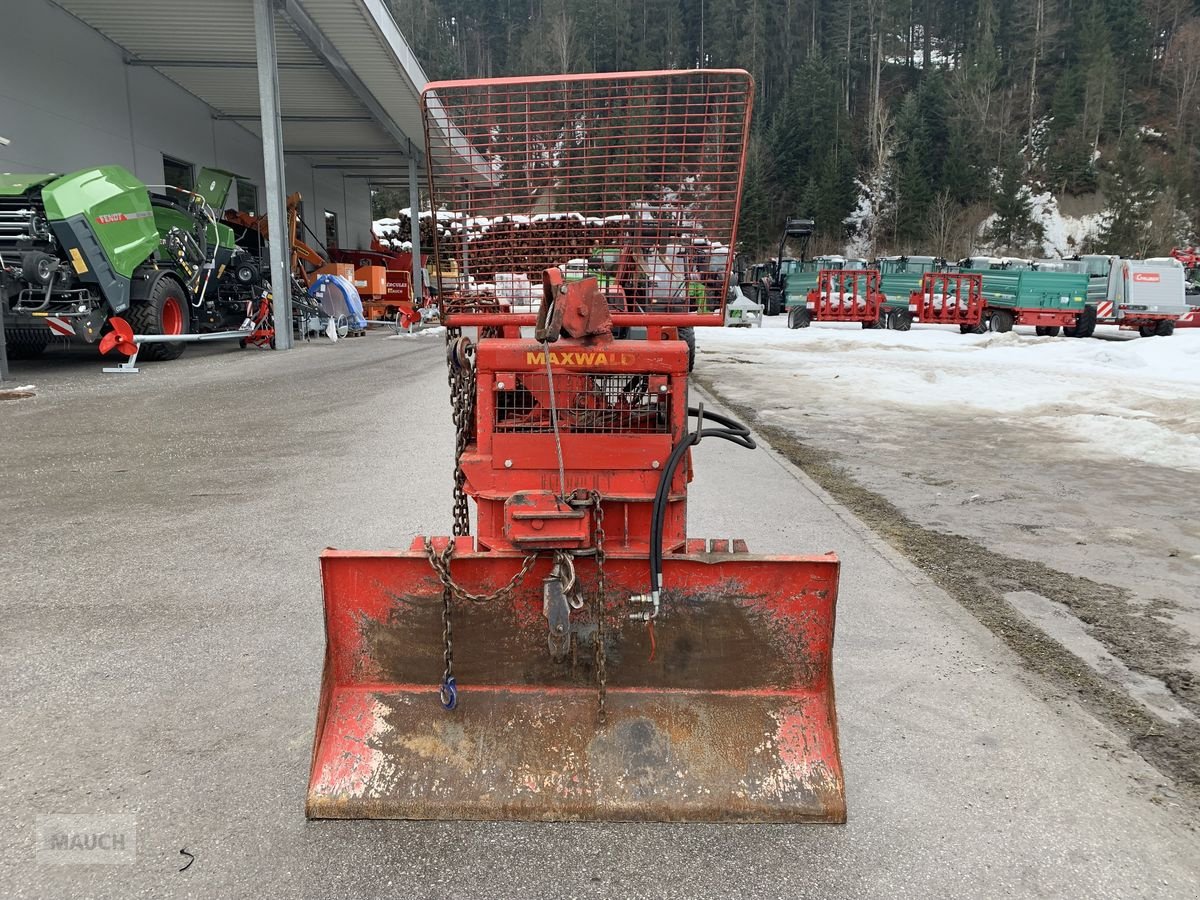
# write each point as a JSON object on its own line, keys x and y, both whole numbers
{"x": 338, "y": 297}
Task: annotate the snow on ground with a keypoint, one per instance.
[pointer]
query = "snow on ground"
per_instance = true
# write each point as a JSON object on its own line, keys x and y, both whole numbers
{"x": 1136, "y": 399}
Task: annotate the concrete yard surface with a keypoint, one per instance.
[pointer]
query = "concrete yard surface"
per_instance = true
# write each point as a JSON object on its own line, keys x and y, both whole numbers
{"x": 1047, "y": 483}
{"x": 162, "y": 609}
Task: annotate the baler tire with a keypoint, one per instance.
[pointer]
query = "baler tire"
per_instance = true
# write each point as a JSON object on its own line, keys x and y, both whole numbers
{"x": 1147, "y": 330}
{"x": 1165, "y": 328}
{"x": 146, "y": 317}
{"x": 901, "y": 320}
{"x": 26, "y": 343}
{"x": 798, "y": 317}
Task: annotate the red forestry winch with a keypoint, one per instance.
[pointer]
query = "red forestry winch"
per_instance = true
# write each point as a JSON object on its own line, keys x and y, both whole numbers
{"x": 609, "y": 666}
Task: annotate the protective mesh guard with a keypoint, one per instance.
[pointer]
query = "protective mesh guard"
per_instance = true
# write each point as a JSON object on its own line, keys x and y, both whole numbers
{"x": 587, "y": 404}
{"x": 635, "y": 176}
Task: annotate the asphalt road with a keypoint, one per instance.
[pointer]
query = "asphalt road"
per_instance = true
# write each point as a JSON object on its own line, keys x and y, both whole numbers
{"x": 159, "y": 536}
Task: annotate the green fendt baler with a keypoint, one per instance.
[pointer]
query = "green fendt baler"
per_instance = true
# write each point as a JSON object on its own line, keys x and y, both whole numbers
{"x": 78, "y": 249}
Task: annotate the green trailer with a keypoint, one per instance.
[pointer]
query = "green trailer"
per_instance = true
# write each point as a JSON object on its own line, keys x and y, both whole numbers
{"x": 1002, "y": 297}
{"x": 1048, "y": 301}
{"x": 802, "y": 277}
{"x": 899, "y": 278}
{"x": 79, "y": 249}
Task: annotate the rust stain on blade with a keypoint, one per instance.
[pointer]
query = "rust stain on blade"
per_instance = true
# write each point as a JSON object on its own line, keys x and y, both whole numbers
{"x": 675, "y": 756}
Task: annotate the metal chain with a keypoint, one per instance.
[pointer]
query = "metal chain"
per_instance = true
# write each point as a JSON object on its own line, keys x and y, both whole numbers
{"x": 441, "y": 565}
{"x": 461, "y": 377}
{"x": 601, "y": 591}
{"x": 449, "y": 689}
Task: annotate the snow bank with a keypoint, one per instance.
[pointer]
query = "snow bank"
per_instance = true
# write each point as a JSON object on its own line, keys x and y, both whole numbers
{"x": 1111, "y": 399}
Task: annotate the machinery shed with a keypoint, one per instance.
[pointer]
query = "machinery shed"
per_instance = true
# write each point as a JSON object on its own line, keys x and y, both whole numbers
{"x": 166, "y": 87}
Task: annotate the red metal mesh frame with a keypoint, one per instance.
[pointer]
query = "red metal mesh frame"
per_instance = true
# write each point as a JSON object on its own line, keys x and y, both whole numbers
{"x": 949, "y": 298}
{"x": 639, "y": 171}
{"x": 846, "y": 295}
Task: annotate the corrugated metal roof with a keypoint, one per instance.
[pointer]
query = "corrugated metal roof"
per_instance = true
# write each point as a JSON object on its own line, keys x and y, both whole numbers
{"x": 219, "y": 35}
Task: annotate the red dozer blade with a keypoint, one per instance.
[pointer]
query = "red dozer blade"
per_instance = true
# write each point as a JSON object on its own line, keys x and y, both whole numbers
{"x": 722, "y": 711}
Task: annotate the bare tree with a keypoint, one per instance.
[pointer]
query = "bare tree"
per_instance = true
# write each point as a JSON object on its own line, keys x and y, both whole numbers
{"x": 560, "y": 36}
{"x": 1039, "y": 24}
{"x": 874, "y": 59}
{"x": 881, "y": 135}
{"x": 1165, "y": 226}
{"x": 1182, "y": 67}
{"x": 945, "y": 223}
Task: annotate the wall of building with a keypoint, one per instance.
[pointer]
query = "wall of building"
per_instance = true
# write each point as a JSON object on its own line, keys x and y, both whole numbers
{"x": 68, "y": 101}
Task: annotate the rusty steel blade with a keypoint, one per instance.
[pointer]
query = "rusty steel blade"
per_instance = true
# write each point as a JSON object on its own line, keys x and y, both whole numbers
{"x": 725, "y": 713}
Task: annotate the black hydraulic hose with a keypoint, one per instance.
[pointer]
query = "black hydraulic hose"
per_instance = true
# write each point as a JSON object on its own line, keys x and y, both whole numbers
{"x": 730, "y": 430}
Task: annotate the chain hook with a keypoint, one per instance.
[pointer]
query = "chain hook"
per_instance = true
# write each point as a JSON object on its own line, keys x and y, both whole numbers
{"x": 448, "y": 693}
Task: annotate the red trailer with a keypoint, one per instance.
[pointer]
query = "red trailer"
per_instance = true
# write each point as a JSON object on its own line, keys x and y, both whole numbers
{"x": 841, "y": 295}
{"x": 944, "y": 298}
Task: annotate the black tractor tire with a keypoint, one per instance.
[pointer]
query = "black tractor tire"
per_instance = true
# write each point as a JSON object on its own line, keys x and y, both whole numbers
{"x": 688, "y": 336}
{"x": 1147, "y": 330}
{"x": 901, "y": 320}
{"x": 1085, "y": 325}
{"x": 774, "y": 304}
{"x": 1047, "y": 330}
{"x": 26, "y": 343}
{"x": 166, "y": 308}
{"x": 980, "y": 327}
{"x": 1001, "y": 322}
{"x": 799, "y": 317}
{"x": 1165, "y": 328}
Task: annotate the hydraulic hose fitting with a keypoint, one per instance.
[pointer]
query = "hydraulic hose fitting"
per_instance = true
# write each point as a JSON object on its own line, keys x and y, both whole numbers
{"x": 647, "y": 615}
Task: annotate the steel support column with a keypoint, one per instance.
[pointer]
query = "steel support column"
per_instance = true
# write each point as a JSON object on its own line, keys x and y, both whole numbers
{"x": 272, "y": 139}
{"x": 414, "y": 219}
